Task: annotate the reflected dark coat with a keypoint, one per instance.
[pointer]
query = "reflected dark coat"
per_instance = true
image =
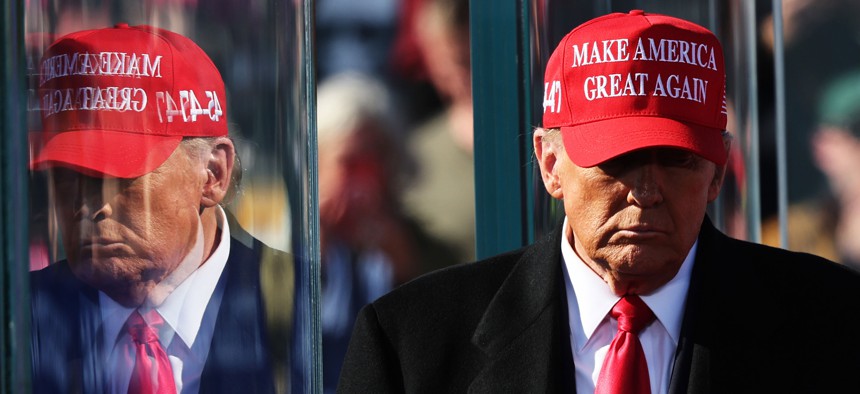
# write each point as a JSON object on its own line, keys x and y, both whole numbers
{"x": 757, "y": 319}
{"x": 66, "y": 343}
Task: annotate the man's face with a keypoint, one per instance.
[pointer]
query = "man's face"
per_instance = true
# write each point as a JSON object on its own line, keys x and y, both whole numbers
{"x": 123, "y": 236}
{"x": 636, "y": 216}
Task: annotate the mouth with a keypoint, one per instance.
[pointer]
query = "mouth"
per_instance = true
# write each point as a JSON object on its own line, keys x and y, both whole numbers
{"x": 643, "y": 228}
{"x": 98, "y": 242}
{"x": 100, "y": 246}
{"x": 640, "y": 231}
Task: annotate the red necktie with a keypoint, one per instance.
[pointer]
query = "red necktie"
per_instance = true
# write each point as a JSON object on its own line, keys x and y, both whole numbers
{"x": 152, "y": 373}
{"x": 624, "y": 368}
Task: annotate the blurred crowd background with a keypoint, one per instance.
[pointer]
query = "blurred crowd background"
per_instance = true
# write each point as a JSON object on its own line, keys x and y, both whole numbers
{"x": 396, "y": 176}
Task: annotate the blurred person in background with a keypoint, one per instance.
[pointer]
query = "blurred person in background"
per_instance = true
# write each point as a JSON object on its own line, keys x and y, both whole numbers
{"x": 369, "y": 245}
{"x": 442, "y": 198}
{"x": 828, "y": 224}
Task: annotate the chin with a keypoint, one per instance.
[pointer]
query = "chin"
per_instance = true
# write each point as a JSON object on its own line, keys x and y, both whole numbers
{"x": 644, "y": 264}
{"x": 128, "y": 296}
{"x": 127, "y": 291}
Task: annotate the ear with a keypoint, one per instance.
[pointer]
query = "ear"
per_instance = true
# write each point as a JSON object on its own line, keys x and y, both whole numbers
{"x": 547, "y": 154}
{"x": 219, "y": 172}
{"x": 720, "y": 172}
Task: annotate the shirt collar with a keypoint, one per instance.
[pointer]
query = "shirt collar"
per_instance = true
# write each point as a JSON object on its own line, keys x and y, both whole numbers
{"x": 182, "y": 312}
{"x": 184, "y": 308}
{"x": 667, "y": 302}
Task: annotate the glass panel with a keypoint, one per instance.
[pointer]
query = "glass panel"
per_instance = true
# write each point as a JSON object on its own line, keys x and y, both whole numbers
{"x": 14, "y": 300}
{"x": 172, "y": 180}
{"x": 551, "y": 20}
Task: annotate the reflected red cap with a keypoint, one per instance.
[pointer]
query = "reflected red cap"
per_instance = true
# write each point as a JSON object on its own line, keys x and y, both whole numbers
{"x": 623, "y": 82}
{"x": 118, "y": 101}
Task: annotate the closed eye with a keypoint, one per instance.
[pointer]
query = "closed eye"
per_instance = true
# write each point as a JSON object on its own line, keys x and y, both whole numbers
{"x": 677, "y": 158}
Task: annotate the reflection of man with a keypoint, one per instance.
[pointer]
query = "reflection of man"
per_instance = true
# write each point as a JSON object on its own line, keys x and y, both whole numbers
{"x": 635, "y": 291}
{"x": 155, "y": 293}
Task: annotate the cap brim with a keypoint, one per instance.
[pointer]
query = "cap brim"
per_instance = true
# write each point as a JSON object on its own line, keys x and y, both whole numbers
{"x": 590, "y": 144}
{"x": 103, "y": 152}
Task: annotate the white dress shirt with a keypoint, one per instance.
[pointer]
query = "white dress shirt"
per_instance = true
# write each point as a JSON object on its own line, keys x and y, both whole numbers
{"x": 592, "y": 329}
{"x": 181, "y": 300}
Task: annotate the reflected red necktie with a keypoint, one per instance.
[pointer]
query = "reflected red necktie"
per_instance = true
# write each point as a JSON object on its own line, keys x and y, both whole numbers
{"x": 624, "y": 368}
{"x": 152, "y": 373}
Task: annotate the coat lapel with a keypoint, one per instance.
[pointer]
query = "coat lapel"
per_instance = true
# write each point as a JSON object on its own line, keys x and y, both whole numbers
{"x": 524, "y": 331}
{"x": 726, "y": 333}
{"x": 92, "y": 347}
{"x": 66, "y": 333}
{"x": 692, "y": 366}
{"x": 238, "y": 358}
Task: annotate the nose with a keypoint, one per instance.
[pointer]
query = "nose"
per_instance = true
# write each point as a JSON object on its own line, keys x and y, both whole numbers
{"x": 101, "y": 212}
{"x": 646, "y": 186}
{"x": 93, "y": 200}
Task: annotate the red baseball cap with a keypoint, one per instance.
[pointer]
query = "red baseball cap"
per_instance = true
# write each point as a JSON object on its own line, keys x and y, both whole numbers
{"x": 118, "y": 101}
{"x": 623, "y": 82}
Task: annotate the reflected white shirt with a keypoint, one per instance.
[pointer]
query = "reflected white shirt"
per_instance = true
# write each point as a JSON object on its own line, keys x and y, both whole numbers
{"x": 187, "y": 334}
{"x": 589, "y": 301}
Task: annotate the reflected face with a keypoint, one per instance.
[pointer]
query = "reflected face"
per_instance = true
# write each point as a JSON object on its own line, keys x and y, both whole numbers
{"x": 123, "y": 236}
{"x": 635, "y": 217}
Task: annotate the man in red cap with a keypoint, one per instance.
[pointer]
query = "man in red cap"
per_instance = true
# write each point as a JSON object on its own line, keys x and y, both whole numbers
{"x": 156, "y": 294}
{"x": 636, "y": 291}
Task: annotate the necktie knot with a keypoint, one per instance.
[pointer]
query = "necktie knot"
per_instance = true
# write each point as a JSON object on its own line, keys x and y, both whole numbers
{"x": 632, "y": 314}
{"x": 144, "y": 330}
